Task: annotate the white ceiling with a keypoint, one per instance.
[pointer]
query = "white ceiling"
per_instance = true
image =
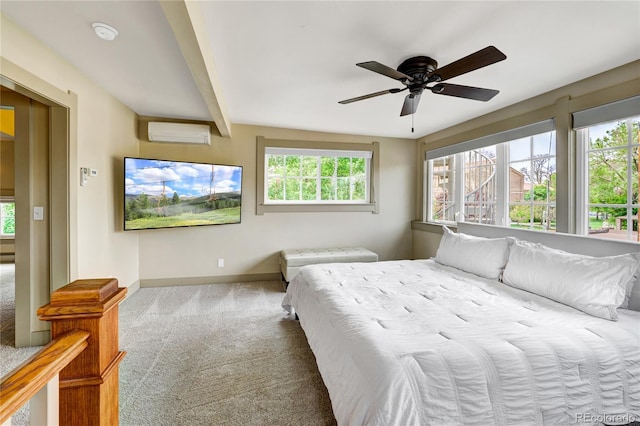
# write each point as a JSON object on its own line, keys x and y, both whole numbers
{"x": 287, "y": 64}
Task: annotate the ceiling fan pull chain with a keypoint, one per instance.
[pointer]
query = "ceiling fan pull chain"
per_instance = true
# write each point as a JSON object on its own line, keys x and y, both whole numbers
{"x": 412, "y": 122}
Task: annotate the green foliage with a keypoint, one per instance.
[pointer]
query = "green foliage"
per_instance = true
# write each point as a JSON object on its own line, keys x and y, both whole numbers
{"x": 8, "y": 218}
{"x": 175, "y": 199}
{"x": 522, "y": 213}
{"x": 540, "y": 192}
{"x": 275, "y": 165}
{"x": 292, "y": 189}
{"x": 309, "y": 189}
{"x": 295, "y": 178}
{"x": 327, "y": 189}
{"x": 276, "y": 189}
{"x": 293, "y": 165}
{"x": 608, "y": 169}
{"x": 327, "y": 166}
{"x": 359, "y": 189}
{"x": 344, "y": 167}
{"x": 358, "y": 167}
{"x": 143, "y": 201}
{"x": 161, "y": 206}
{"x": 343, "y": 193}
{"x": 218, "y": 216}
{"x": 309, "y": 166}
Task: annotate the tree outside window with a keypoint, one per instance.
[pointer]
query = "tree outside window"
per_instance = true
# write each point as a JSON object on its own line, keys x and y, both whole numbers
{"x": 612, "y": 179}
{"x": 7, "y": 219}
{"x": 309, "y": 178}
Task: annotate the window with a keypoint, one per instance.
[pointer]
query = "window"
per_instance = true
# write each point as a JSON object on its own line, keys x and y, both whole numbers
{"x": 7, "y": 219}
{"x": 511, "y": 183}
{"x": 611, "y": 162}
{"x": 532, "y": 182}
{"x": 443, "y": 188}
{"x": 316, "y": 176}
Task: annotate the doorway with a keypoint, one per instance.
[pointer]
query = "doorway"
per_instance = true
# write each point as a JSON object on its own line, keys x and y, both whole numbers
{"x": 44, "y": 140}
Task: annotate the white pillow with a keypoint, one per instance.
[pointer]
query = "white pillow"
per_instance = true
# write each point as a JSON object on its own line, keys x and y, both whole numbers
{"x": 595, "y": 285}
{"x": 486, "y": 257}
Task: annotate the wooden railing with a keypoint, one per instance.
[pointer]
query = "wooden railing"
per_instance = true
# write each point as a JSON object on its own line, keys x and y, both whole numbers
{"x": 26, "y": 380}
{"x": 81, "y": 361}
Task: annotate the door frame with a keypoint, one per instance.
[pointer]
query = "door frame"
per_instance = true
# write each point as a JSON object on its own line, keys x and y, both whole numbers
{"x": 63, "y": 193}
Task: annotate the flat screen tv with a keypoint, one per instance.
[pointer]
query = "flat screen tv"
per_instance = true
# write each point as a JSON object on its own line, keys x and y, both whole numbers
{"x": 170, "y": 194}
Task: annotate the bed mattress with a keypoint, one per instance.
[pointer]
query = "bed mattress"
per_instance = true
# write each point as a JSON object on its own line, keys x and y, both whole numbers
{"x": 418, "y": 343}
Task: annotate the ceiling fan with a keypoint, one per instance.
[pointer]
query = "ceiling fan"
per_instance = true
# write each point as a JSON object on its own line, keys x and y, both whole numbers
{"x": 422, "y": 72}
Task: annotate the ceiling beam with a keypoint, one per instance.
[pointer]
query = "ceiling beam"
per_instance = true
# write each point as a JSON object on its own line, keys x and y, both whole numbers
{"x": 187, "y": 23}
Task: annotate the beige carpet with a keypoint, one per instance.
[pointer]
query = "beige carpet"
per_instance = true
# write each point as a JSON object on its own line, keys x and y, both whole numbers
{"x": 222, "y": 354}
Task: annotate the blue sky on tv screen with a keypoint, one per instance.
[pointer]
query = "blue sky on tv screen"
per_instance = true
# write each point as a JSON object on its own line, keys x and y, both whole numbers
{"x": 153, "y": 177}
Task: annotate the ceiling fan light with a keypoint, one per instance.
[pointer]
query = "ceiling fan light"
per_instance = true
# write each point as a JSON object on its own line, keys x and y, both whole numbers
{"x": 104, "y": 31}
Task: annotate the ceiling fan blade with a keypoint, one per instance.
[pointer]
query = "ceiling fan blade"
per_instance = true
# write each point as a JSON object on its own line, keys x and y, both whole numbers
{"x": 467, "y": 92}
{"x": 371, "y": 95}
{"x": 384, "y": 70}
{"x": 487, "y": 56}
{"x": 410, "y": 104}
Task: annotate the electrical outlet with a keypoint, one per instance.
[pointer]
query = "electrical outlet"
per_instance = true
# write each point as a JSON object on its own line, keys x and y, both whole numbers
{"x": 220, "y": 263}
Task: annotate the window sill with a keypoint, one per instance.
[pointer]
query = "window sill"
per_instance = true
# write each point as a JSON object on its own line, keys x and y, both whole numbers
{"x": 322, "y": 208}
{"x": 434, "y": 227}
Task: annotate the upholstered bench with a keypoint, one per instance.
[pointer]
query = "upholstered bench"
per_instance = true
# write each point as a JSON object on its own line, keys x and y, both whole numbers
{"x": 292, "y": 260}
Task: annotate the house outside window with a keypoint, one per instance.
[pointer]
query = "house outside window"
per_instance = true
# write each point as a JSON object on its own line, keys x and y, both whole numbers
{"x": 443, "y": 188}
{"x": 511, "y": 183}
{"x": 532, "y": 182}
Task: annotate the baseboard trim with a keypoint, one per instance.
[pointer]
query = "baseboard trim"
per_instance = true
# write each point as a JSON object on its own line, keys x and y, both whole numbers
{"x": 218, "y": 279}
{"x": 39, "y": 338}
{"x": 132, "y": 289}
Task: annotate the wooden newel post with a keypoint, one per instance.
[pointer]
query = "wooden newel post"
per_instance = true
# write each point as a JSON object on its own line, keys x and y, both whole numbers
{"x": 89, "y": 384}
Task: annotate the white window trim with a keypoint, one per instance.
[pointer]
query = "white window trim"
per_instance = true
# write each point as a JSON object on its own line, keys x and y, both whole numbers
{"x": 502, "y": 217}
{"x": 7, "y": 199}
{"x": 582, "y": 149}
{"x": 265, "y": 146}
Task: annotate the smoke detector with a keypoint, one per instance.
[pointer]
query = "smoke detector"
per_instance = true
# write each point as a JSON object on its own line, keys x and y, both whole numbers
{"x": 104, "y": 31}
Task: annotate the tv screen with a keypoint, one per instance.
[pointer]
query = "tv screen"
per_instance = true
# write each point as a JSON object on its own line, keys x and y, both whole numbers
{"x": 170, "y": 194}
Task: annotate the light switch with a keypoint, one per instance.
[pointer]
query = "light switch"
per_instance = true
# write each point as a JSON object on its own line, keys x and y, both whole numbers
{"x": 38, "y": 213}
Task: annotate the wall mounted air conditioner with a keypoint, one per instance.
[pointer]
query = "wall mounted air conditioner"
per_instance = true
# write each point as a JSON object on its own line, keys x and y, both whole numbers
{"x": 179, "y": 133}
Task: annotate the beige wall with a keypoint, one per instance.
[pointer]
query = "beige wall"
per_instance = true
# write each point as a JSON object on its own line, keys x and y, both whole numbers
{"x": 105, "y": 134}
{"x": 252, "y": 246}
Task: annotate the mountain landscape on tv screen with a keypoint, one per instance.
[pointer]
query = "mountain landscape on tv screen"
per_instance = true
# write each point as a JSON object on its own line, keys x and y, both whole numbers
{"x": 168, "y": 194}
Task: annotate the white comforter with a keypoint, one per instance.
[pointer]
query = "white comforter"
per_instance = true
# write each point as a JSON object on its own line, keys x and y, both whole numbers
{"x": 417, "y": 343}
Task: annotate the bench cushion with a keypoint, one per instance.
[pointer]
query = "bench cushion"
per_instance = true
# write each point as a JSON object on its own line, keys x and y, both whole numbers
{"x": 292, "y": 260}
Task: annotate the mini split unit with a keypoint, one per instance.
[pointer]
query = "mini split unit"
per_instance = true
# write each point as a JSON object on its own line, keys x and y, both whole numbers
{"x": 179, "y": 133}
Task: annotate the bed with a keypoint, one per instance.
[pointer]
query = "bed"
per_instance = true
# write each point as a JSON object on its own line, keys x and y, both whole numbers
{"x": 425, "y": 343}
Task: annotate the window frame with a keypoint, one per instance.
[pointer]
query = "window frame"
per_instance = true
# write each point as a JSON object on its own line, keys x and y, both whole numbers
{"x": 6, "y": 200}
{"x": 264, "y": 206}
{"x": 500, "y": 142}
{"x": 583, "y": 204}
